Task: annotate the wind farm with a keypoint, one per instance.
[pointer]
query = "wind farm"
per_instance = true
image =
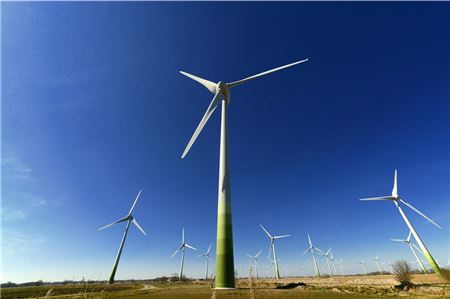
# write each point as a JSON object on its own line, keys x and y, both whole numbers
{"x": 323, "y": 175}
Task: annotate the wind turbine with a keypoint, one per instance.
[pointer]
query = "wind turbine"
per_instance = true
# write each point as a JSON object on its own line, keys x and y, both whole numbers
{"x": 255, "y": 261}
{"x": 375, "y": 259}
{"x": 412, "y": 246}
{"x": 333, "y": 261}
{"x": 182, "y": 247}
{"x": 311, "y": 249}
{"x": 224, "y": 248}
{"x": 340, "y": 266}
{"x": 396, "y": 199}
{"x": 364, "y": 266}
{"x": 326, "y": 255}
{"x": 130, "y": 219}
{"x": 206, "y": 255}
{"x": 272, "y": 249}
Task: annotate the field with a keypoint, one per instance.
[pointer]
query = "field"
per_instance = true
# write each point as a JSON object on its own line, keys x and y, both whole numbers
{"x": 352, "y": 287}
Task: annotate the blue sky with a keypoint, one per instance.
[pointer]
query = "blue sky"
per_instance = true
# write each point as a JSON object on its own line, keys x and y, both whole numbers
{"x": 93, "y": 109}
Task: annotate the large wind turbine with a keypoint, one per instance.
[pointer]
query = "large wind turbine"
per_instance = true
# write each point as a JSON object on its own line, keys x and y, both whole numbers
{"x": 255, "y": 261}
{"x": 272, "y": 249}
{"x": 224, "y": 248}
{"x": 182, "y": 247}
{"x": 206, "y": 255}
{"x": 396, "y": 199}
{"x": 412, "y": 246}
{"x": 327, "y": 257}
{"x": 130, "y": 219}
{"x": 311, "y": 249}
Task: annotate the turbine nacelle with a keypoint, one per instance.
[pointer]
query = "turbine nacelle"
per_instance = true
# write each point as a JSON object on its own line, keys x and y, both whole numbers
{"x": 223, "y": 89}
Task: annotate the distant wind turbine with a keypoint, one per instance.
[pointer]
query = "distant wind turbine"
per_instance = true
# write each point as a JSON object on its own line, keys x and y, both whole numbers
{"x": 326, "y": 255}
{"x": 412, "y": 246}
{"x": 364, "y": 266}
{"x": 224, "y": 245}
{"x": 394, "y": 197}
{"x": 272, "y": 249}
{"x": 311, "y": 249}
{"x": 255, "y": 261}
{"x": 182, "y": 247}
{"x": 375, "y": 259}
{"x": 206, "y": 255}
{"x": 130, "y": 219}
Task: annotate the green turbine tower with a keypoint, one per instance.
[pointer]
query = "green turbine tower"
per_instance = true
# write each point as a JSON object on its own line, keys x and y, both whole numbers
{"x": 397, "y": 200}
{"x": 224, "y": 247}
{"x": 130, "y": 219}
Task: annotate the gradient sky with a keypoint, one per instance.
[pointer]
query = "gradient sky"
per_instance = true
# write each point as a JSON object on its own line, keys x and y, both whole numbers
{"x": 93, "y": 109}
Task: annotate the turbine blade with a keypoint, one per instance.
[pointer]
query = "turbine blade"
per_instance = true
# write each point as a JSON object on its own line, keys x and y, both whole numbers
{"x": 282, "y": 236}
{"x": 115, "y": 222}
{"x": 306, "y": 251}
{"x": 409, "y": 236}
{"x": 232, "y": 84}
{"x": 191, "y": 247}
{"x": 249, "y": 256}
{"x": 135, "y": 201}
{"x": 417, "y": 248}
{"x": 138, "y": 226}
{"x": 394, "y": 189}
{"x": 309, "y": 239}
{"x": 182, "y": 235}
{"x": 377, "y": 198}
{"x": 212, "y": 106}
{"x": 397, "y": 240}
{"x": 419, "y": 212}
{"x": 211, "y": 86}
{"x": 265, "y": 230}
{"x": 176, "y": 251}
{"x": 259, "y": 252}
{"x": 209, "y": 248}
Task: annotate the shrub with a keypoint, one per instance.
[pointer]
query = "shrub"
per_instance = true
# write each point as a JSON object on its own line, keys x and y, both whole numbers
{"x": 403, "y": 273}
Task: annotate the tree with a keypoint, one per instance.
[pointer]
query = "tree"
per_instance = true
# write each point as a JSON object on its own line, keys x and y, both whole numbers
{"x": 403, "y": 273}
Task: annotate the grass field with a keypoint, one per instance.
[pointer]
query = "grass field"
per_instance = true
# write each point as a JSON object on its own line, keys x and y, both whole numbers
{"x": 352, "y": 287}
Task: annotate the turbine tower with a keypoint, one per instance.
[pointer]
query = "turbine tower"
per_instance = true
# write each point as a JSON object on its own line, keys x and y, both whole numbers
{"x": 396, "y": 199}
{"x": 130, "y": 219}
{"x": 255, "y": 261}
{"x": 182, "y": 247}
{"x": 272, "y": 250}
{"x": 311, "y": 249}
{"x": 412, "y": 246}
{"x": 224, "y": 248}
{"x": 206, "y": 255}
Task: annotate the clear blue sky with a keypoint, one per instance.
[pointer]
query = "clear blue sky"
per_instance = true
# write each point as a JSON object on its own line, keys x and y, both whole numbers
{"x": 93, "y": 109}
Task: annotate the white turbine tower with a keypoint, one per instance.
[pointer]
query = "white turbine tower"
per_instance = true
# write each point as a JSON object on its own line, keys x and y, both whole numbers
{"x": 272, "y": 249}
{"x": 255, "y": 261}
{"x": 340, "y": 266}
{"x": 130, "y": 219}
{"x": 363, "y": 264}
{"x": 375, "y": 259}
{"x": 311, "y": 249}
{"x": 206, "y": 255}
{"x": 224, "y": 245}
{"x": 412, "y": 246}
{"x": 182, "y": 247}
{"x": 395, "y": 198}
{"x": 333, "y": 262}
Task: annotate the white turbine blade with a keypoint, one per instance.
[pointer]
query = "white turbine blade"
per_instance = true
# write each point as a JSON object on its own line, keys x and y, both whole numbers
{"x": 176, "y": 251}
{"x": 265, "y": 230}
{"x": 417, "y": 248}
{"x": 397, "y": 240}
{"x": 189, "y": 246}
{"x": 135, "y": 201}
{"x": 419, "y": 212}
{"x": 409, "y": 237}
{"x": 377, "y": 198}
{"x": 248, "y": 255}
{"x": 211, "y": 86}
{"x": 111, "y": 224}
{"x": 394, "y": 189}
{"x": 138, "y": 226}
{"x": 309, "y": 239}
{"x": 209, "y": 248}
{"x": 306, "y": 251}
{"x": 212, "y": 106}
{"x": 232, "y": 84}
{"x": 328, "y": 251}
{"x": 282, "y": 236}
{"x": 182, "y": 235}
{"x": 259, "y": 252}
